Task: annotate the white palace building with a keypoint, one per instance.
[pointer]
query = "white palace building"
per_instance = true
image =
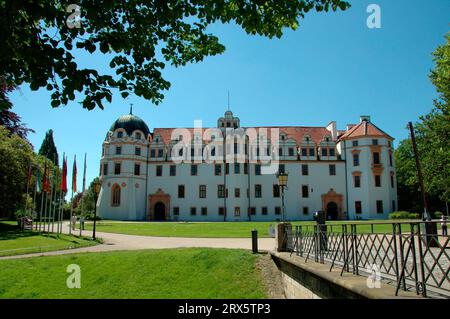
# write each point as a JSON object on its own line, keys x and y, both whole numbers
{"x": 182, "y": 174}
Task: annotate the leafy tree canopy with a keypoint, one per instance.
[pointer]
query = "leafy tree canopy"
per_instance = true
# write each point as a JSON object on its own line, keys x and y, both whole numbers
{"x": 139, "y": 37}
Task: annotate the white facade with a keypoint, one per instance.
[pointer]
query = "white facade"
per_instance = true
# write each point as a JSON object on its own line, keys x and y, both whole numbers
{"x": 140, "y": 181}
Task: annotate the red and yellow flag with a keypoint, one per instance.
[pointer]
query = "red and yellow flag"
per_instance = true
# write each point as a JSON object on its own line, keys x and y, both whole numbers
{"x": 64, "y": 176}
{"x": 74, "y": 175}
{"x": 46, "y": 183}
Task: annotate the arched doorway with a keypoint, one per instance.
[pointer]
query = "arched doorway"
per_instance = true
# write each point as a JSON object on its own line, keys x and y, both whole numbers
{"x": 159, "y": 211}
{"x": 332, "y": 211}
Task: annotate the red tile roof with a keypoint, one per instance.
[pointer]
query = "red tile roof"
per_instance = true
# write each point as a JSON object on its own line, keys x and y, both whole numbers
{"x": 364, "y": 128}
{"x": 296, "y": 133}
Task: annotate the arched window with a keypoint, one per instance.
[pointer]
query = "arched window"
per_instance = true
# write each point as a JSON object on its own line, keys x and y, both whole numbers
{"x": 115, "y": 195}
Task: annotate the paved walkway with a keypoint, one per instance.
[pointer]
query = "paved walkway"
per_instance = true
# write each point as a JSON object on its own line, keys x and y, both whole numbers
{"x": 115, "y": 242}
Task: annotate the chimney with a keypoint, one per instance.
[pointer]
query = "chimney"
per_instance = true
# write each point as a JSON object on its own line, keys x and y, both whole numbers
{"x": 349, "y": 126}
{"x": 364, "y": 118}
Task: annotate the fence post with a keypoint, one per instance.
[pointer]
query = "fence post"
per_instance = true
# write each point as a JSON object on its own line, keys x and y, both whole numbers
{"x": 421, "y": 260}
{"x": 413, "y": 248}
{"x": 394, "y": 237}
{"x": 355, "y": 250}
{"x": 402, "y": 254}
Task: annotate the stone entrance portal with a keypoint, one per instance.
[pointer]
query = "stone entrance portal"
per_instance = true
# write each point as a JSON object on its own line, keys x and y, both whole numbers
{"x": 159, "y": 206}
{"x": 332, "y": 204}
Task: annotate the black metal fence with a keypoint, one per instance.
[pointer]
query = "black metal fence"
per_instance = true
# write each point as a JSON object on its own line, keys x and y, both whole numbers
{"x": 406, "y": 257}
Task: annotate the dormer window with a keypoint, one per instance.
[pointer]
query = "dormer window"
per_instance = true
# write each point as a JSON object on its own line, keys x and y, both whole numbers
{"x": 119, "y": 134}
{"x": 374, "y": 142}
{"x": 138, "y": 136}
{"x": 283, "y": 137}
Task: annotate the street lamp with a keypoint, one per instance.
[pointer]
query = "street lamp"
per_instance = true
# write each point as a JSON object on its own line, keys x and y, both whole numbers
{"x": 282, "y": 182}
{"x": 97, "y": 186}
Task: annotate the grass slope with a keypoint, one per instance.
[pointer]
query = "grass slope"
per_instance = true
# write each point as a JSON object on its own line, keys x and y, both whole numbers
{"x": 15, "y": 242}
{"x": 211, "y": 229}
{"x": 174, "y": 273}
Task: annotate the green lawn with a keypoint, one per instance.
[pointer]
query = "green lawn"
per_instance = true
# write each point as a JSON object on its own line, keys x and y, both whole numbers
{"x": 170, "y": 273}
{"x": 212, "y": 229}
{"x": 15, "y": 242}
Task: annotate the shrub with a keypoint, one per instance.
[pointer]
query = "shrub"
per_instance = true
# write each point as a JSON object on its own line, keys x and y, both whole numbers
{"x": 436, "y": 215}
{"x": 403, "y": 215}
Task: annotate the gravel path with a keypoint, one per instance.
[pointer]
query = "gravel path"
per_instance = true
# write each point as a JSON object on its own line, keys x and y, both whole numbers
{"x": 115, "y": 242}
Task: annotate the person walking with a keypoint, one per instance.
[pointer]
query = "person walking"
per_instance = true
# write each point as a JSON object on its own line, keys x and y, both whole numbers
{"x": 444, "y": 225}
{"x": 74, "y": 221}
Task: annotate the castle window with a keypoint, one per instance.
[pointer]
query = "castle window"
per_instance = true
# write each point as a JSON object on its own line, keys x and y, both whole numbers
{"x": 152, "y": 153}
{"x": 380, "y": 207}
{"x": 173, "y": 170}
{"x": 276, "y": 190}
{"x": 204, "y": 211}
{"x": 176, "y": 211}
{"x": 280, "y": 151}
{"x": 355, "y": 159}
{"x": 324, "y": 151}
{"x": 246, "y": 168}
{"x": 202, "y": 191}
{"x": 291, "y": 151}
{"x": 180, "y": 191}
{"x": 252, "y": 211}
{"x": 304, "y": 151}
{"x": 159, "y": 169}
{"x": 305, "y": 210}
{"x": 237, "y": 168}
{"x": 258, "y": 191}
{"x": 358, "y": 209}
{"x": 305, "y": 191}
{"x": 305, "y": 170}
{"x": 282, "y": 168}
{"x": 137, "y": 169}
{"x": 277, "y": 210}
{"x": 376, "y": 158}
{"x": 118, "y": 150}
{"x": 105, "y": 169}
{"x": 312, "y": 152}
{"x": 257, "y": 169}
{"x": 354, "y": 143}
{"x": 221, "y": 211}
{"x": 237, "y": 192}
{"x": 332, "y": 169}
{"x": 194, "y": 170}
{"x": 115, "y": 201}
{"x": 137, "y": 151}
{"x": 221, "y": 191}
{"x": 264, "y": 210}
{"x": 160, "y": 152}
{"x": 357, "y": 180}
{"x": 227, "y": 168}
{"x": 138, "y": 136}
{"x": 374, "y": 142}
{"x": 377, "y": 181}
{"x": 390, "y": 159}
{"x": 193, "y": 211}
{"x": 237, "y": 211}
{"x": 332, "y": 152}
{"x": 117, "y": 168}
{"x": 119, "y": 134}
{"x": 218, "y": 169}
{"x": 392, "y": 181}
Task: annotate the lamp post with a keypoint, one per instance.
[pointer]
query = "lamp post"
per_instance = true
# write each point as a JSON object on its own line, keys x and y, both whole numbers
{"x": 282, "y": 182}
{"x": 97, "y": 186}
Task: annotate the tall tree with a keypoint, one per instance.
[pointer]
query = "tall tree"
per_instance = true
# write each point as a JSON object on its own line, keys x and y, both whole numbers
{"x": 48, "y": 148}
{"x": 15, "y": 158}
{"x": 39, "y": 39}
{"x": 433, "y": 142}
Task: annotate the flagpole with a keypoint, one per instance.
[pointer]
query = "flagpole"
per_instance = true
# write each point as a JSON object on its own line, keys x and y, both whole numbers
{"x": 33, "y": 208}
{"x": 74, "y": 186}
{"x": 82, "y": 194}
{"x": 28, "y": 185}
{"x": 60, "y": 215}
{"x": 41, "y": 211}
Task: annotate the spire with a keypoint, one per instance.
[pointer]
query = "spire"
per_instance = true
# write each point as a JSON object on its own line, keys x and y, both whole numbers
{"x": 228, "y": 100}
{"x": 131, "y": 108}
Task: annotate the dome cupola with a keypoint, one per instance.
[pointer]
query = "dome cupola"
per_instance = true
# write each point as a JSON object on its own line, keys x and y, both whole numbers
{"x": 130, "y": 123}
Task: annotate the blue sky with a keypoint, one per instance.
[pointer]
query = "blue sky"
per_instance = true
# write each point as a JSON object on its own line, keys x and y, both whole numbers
{"x": 331, "y": 68}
